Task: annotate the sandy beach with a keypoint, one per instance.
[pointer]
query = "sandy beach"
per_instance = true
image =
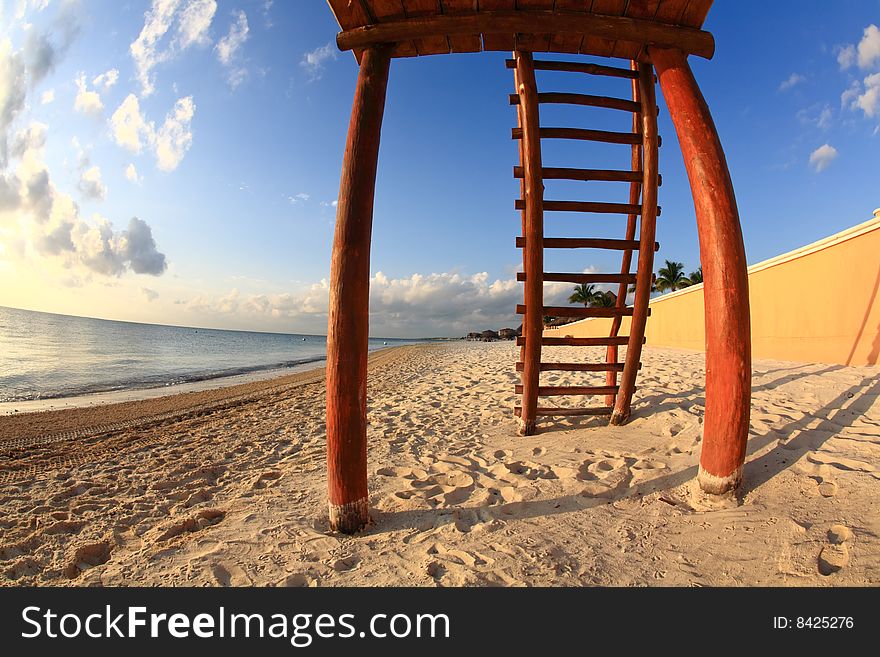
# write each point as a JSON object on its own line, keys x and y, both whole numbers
{"x": 227, "y": 487}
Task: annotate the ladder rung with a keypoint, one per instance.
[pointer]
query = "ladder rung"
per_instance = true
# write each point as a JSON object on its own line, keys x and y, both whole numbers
{"x": 602, "y": 175}
{"x": 580, "y": 67}
{"x": 577, "y": 367}
{"x": 573, "y": 311}
{"x": 587, "y": 243}
{"x": 579, "y": 342}
{"x": 548, "y": 411}
{"x": 585, "y": 134}
{"x": 588, "y": 100}
{"x": 587, "y": 206}
{"x": 558, "y": 391}
{"x": 564, "y": 277}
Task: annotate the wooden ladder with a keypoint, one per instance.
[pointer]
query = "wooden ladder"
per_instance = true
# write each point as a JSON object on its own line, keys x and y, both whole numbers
{"x": 641, "y": 212}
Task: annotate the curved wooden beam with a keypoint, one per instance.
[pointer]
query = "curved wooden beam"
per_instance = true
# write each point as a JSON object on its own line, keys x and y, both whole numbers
{"x": 613, "y": 28}
{"x": 532, "y": 189}
{"x": 725, "y": 282}
{"x": 348, "y": 323}
{"x": 645, "y": 267}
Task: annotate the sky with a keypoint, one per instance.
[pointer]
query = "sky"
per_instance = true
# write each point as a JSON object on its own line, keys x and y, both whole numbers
{"x": 177, "y": 161}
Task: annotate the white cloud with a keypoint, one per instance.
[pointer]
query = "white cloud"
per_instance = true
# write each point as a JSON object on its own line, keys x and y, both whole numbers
{"x": 228, "y": 47}
{"x": 299, "y": 198}
{"x": 87, "y": 102}
{"x": 419, "y": 305}
{"x": 822, "y": 157}
{"x": 157, "y": 22}
{"x": 47, "y": 97}
{"x": 846, "y": 57}
{"x": 43, "y": 221}
{"x": 869, "y": 47}
{"x": 153, "y": 46}
{"x": 866, "y": 53}
{"x": 106, "y": 79}
{"x": 174, "y": 138}
{"x": 131, "y": 173}
{"x": 329, "y": 204}
{"x": 195, "y": 21}
{"x": 228, "y": 50}
{"x": 267, "y": 19}
{"x": 169, "y": 143}
{"x": 851, "y": 93}
{"x": 825, "y": 116}
{"x": 128, "y": 126}
{"x": 869, "y": 101}
{"x": 792, "y": 80}
{"x": 314, "y": 61}
{"x": 91, "y": 185}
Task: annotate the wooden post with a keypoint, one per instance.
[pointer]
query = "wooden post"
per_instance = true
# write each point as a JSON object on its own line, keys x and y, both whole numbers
{"x": 348, "y": 324}
{"x": 725, "y": 279}
{"x": 635, "y": 191}
{"x": 645, "y": 267}
{"x": 533, "y": 251}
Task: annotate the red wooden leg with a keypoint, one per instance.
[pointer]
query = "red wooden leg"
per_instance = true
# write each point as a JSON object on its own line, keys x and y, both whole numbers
{"x": 725, "y": 279}
{"x": 348, "y": 325}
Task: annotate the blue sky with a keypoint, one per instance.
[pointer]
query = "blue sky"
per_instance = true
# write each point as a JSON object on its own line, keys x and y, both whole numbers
{"x": 221, "y": 126}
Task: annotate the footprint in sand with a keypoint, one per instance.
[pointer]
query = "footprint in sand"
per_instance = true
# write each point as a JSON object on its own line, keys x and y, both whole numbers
{"x": 193, "y": 523}
{"x": 88, "y": 556}
{"x": 230, "y": 575}
{"x": 835, "y": 555}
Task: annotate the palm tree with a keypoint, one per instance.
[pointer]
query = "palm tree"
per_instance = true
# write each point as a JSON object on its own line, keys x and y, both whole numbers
{"x": 583, "y": 293}
{"x": 671, "y": 277}
{"x": 604, "y": 300}
{"x": 696, "y": 277}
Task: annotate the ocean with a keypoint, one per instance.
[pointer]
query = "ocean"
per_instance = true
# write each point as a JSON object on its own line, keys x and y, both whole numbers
{"x": 47, "y": 356}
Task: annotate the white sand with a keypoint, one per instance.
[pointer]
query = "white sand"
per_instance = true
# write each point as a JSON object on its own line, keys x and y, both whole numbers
{"x": 233, "y": 494}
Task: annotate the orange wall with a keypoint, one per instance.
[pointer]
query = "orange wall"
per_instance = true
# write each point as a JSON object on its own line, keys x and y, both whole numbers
{"x": 820, "y": 303}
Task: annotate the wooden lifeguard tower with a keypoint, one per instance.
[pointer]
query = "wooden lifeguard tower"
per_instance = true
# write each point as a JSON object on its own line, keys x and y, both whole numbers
{"x": 648, "y": 35}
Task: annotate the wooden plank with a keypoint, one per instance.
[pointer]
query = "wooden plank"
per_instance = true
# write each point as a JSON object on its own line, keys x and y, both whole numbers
{"x": 584, "y": 134}
{"x": 577, "y": 342}
{"x": 349, "y": 15}
{"x": 579, "y": 67}
{"x": 467, "y": 42}
{"x": 599, "y": 45}
{"x": 499, "y": 41}
{"x": 437, "y": 45}
{"x": 530, "y": 41}
{"x": 562, "y": 411}
{"x": 586, "y": 206}
{"x": 576, "y": 367}
{"x": 533, "y": 254}
{"x": 688, "y": 40}
{"x": 565, "y": 277}
{"x": 390, "y": 11}
{"x": 587, "y": 100}
{"x": 587, "y": 243}
{"x": 566, "y": 42}
{"x": 560, "y": 391}
{"x": 348, "y": 316}
{"x": 574, "y": 311}
{"x": 694, "y": 14}
{"x": 642, "y": 9}
{"x": 645, "y": 265}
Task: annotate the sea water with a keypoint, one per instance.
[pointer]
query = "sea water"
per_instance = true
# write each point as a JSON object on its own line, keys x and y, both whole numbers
{"x": 45, "y": 356}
